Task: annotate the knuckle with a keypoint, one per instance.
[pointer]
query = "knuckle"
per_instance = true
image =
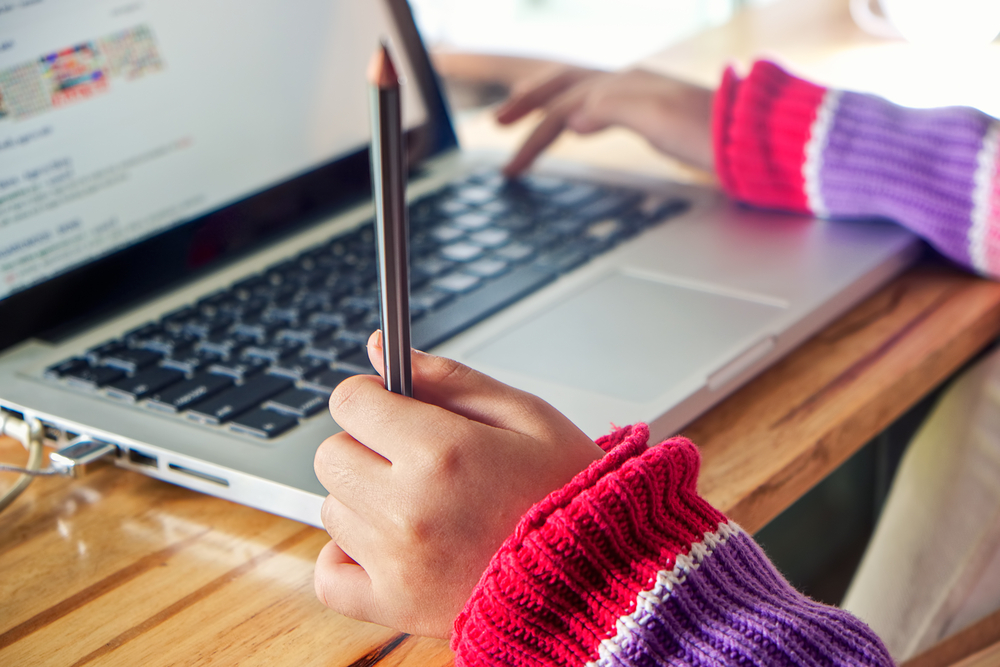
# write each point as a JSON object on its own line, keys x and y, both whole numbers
{"x": 327, "y": 515}
{"x": 326, "y": 459}
{"x": 448, "y": 370}
{"x": 346, "y": 395}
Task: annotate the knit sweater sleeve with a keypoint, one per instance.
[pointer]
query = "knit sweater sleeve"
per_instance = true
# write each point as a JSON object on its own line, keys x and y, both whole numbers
{"x": 627, "y": 565}
{"x": 781, "y": 142}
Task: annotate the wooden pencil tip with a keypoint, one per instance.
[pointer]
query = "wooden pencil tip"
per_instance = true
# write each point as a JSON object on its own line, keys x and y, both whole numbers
{"x": 381, "y": 71}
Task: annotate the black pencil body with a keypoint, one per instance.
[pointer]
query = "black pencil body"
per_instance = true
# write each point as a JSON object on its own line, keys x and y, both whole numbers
{"x": 389, "y": 185}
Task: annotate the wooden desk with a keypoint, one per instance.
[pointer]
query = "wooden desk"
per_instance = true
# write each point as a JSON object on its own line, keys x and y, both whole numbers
{"x": 122, "y": 569}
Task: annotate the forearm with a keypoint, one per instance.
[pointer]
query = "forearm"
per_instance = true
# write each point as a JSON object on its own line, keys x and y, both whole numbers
{"x": 629, "y": 565}
{"x": 781, "y": 142}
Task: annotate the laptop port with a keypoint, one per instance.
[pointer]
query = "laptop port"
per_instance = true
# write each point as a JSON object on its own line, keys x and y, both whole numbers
{"x": 197, "y": 473}
{"x": 141, "y": 458}
{"x": 53, "y": 434}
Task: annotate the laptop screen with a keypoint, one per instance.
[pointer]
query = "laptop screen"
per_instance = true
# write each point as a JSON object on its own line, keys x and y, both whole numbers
{"x": 120, "y": 120}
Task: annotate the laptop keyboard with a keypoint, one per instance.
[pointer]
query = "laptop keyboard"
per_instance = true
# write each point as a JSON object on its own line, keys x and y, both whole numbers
{"x": 265, "y": 353}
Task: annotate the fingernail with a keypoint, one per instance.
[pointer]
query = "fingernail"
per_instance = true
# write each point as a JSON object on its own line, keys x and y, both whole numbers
{"x": 375, "y": 340}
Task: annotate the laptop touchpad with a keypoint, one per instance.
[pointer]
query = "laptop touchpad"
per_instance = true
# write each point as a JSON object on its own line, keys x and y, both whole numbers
{"x": 630, "y": 337}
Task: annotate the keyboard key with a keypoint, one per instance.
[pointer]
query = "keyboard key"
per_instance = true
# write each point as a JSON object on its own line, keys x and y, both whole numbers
{"x": 428, "y": 267}
{"x": 205, "y": 327}
{"x": 456, "y": 283}
{"x": 472, "y": 220}
{"x": 575, "y": 194}
{"x": 331, "y": 349}
{"x": 429, "y": 299}
{"x": 143, "y": 332}
{"x": 190, "y": 361}
{"x": 544, "y": 184}
{"x": 239, "y": 369}
{"x": 299, "y": 367}
{"x": 490, "y": 238}
{"x": 515, "y": 223}
{"x": 95, "y": 354}
{"x": 515, "y": 252}
{"x": 605, "y": 230}
{"x": 57, "y": 371}
{"x": 92, "y": 377}
{"x": 164, "y": 342}
{"x": 298, "y": 402}
{"x": 177, "y": 318}
{"x": 234, "y": 401}
{"x": 131, "y": 360}
{"x": 327, "y": 381}
{"x": 608, "y": 205}
{"x": 487, "y": 268}
{"x": 357, "y": 335}
{"x": 257, "y": 330}
{"x": 263, "y": 423}
{"x": 304, "y": 335}
{"x": 283, "y": 315}
{"x": 144, "y": 383}
{"x": 569, "y": 226}
{"x": 274, "y": 350}
{"x": 475, "y": 195}
{"x": 453, "y": 207}
{"x": 184, "y": 394}
{"x": 462, "y": 252}
{"x": 224, "y": 346}
{"x": 447, "y": 233}
{"x": 562, "y": 260}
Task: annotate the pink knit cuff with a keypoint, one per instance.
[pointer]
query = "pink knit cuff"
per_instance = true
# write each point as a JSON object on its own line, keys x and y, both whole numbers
{"x": 577, "y": 560}
{"x": 761, "y": 126}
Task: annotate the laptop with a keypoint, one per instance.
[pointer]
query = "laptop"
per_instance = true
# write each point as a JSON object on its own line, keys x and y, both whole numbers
{"x": 187, "y": 257}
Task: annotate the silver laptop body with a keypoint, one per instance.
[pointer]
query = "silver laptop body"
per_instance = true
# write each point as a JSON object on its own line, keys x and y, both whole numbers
{"x": 658, "y": 328}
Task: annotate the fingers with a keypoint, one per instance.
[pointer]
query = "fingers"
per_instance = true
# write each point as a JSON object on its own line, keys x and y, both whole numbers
{"x": 553, "y": 124}
{"x": 466, "y": 392}
{"x": 547, "y": 131}
{"x": 343, "y": 585}
{"x": 538, "y": 93}
{"x": 386, "y": 422}
{"x": 348, "y": 469}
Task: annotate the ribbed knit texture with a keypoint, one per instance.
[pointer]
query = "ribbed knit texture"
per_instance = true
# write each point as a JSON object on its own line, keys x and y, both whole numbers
{"x": 627, "y": 565}
{"x": 784, "y": 143}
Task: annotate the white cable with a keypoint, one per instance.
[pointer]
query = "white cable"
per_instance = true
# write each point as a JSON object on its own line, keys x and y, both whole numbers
{"x": 29, "y": 434}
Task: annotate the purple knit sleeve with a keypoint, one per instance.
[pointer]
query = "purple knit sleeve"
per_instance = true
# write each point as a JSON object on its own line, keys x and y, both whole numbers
{"x": 933, "y": 170}
{"x": 786, "y": 143}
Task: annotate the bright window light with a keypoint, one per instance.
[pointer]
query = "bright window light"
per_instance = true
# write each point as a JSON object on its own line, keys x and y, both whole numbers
{"x": 598, "y": 33}
{"x": 945, "y": 22}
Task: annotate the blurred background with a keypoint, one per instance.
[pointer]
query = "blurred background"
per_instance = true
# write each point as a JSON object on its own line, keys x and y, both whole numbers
{"x": 607, "y": 34}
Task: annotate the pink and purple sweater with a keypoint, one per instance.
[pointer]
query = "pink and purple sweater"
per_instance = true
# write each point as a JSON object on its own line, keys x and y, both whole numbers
{"x": 627, "y": 565}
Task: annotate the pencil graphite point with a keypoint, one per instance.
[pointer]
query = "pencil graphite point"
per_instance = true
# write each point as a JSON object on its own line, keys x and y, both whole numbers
{"x": 381, "y": 71}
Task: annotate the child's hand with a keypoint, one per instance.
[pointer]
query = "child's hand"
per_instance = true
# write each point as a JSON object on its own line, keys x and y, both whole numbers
{"x": 424, "y": 490}
{"x": 673, "y": 115}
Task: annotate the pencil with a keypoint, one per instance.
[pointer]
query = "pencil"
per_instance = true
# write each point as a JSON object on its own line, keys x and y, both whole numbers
{"x": 389, "y": 189}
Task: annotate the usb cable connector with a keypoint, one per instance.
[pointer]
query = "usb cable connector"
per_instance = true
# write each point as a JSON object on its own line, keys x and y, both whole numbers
{"x": 76, "y": 459}
{"x": 81, "y": 456}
